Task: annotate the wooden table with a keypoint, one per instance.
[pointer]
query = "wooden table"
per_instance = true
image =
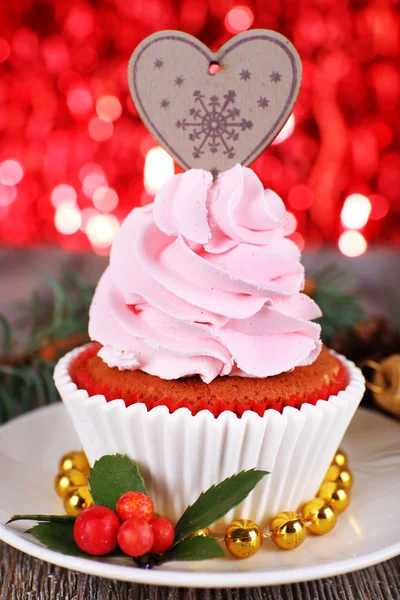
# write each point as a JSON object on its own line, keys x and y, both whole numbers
{"x": 25, "y": 578}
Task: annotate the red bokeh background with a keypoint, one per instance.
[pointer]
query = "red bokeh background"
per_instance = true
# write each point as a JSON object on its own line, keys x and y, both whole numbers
{"x": 73, "y": 150}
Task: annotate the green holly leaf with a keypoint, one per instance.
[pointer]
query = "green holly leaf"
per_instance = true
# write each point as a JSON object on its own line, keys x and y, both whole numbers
{"x": 112, "y": 476}
{"x": 198, "y": 548}
{"x": 217, "y": 501}
{"x": 57, "y": 536}
{"x": 43, "y": 518}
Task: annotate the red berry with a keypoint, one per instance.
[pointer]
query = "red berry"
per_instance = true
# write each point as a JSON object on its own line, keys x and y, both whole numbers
{"x": 164, "y": 534}
{"x": 96, "y": 530}
{"x": 135, "y": 504}
{"x": 135, "y": 537}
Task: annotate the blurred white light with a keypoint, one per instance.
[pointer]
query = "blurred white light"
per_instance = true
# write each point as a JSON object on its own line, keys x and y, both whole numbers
{"x": 355, "y": 212}
{"x": 100, "y": 130}
{"x": 86, "y": 214}
{"x": 108, "y": 108}
{"x": 158, "y": 167}
{"x": 88, "y": 169}
{"x": 101, "y": 230}
{"x": 63, "y": 194}
{"x": 11, "y": 172}
{"x": 105, "y": 199}
{"x": 92, "y": 182}
{"x": 67, "y": 219}
{"x": 286, "y": 130}
{"x": 352, "y": 243}
{"x": 238, "y": 19}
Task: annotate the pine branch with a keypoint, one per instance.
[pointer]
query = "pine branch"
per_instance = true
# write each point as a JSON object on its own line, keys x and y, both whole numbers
{"x": 341, "y": 307}
{"x": 50, "y": 326}
{"x": 7, "y": 337}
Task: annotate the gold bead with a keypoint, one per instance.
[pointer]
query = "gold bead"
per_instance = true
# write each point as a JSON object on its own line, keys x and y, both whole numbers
{"x": 332, "y": 473}
{"x": 340, "y": 475}
{"x": 75, "y": 460}
{"x": 64, "y": 482}
{"x": 243, "y": 538}
{"x": 288, "y": 530}
{"x": 337, "y": 496}
{"x": 77, "y": 500}
{"x": 204, "y": 532}
{"x": 345, "y": 479}
{"x": 320, "y": 516}
{"x": 340, "y": 459}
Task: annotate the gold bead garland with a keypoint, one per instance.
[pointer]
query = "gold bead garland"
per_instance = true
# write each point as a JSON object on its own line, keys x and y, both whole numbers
{"x": 243, "y": 537}
{"x": 288, "y": 530}
{"x": 320, "y": 516}
{"x": 68, "y": 480}
{"x": 76, "y": 459}
{"x": 204, "y": 532}
{"x": 345, "y": 479}
{"x": 71, "y": 483}
{"x": 340, "y": 459}
{"x": 337, "y": 496}
{"x": 77, "y": 500}
{"x": 333, "y": 472}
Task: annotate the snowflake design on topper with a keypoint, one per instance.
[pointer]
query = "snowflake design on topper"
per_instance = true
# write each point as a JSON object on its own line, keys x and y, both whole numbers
{"x": 215, "y": 122}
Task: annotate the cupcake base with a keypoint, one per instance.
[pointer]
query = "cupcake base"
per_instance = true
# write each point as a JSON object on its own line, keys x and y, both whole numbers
{"x": 325, "y": 377}
{"x": 181, "y": 454}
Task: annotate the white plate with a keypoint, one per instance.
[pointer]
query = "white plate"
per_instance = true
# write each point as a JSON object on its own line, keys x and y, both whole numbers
{"x": 368, "y": 533}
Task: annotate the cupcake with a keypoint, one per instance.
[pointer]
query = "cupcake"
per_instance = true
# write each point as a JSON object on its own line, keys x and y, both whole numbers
{"x": 205, "y": 358}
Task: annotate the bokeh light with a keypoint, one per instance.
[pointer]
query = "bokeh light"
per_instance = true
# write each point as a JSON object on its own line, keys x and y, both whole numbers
{"x": 105, "y": 199}
{"x": 67, "y": 219}
{"x": 11, "y": 172}
{"x": 108, "y": 108}
{"x": 79, "y": 100}
{"x": 80, "y": 21}
{"x": 239, "y": 18}
{"x": 352, "y": 243}
{"x": 379, "y": 207}
{"x": 355, "y": 212}
{"x": 300, "y": 197}
{"x": 86, "y": 214}
{"x": 100, "y": 130}
{"x": 158, "y": 167}
{"x": 92, "y": 182}
{"x": 7, "y": 195}
{"x": 101, "y": 230}
{"x": 90, "y": 169}
{"x": 63, "y": 194}
{"x": 286, "y": 130}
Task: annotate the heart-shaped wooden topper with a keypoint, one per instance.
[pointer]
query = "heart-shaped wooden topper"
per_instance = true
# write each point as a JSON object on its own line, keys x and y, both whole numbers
{"x": 213, "y": 121}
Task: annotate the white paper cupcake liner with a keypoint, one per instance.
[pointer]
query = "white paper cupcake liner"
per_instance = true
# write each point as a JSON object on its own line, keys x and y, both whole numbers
{"x": 180, "y": 455}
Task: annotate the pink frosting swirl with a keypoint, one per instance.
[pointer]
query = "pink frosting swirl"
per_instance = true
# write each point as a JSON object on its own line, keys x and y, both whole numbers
{"x": 204, "y": 282}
